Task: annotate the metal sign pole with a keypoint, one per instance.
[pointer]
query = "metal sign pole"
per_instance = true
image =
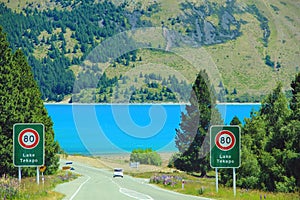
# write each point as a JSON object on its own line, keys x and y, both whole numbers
{"x": 37, "y": 175}
{"x": 217, "y": 179}
{"x": 20, "y": 174}
{"x": 234, "y": 182}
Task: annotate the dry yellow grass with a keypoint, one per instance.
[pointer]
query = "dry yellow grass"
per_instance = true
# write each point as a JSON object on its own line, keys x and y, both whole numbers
{"x": 120, "y": 161}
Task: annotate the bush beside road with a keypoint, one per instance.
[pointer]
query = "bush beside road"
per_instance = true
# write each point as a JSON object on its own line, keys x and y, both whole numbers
{"x": 10, "y": 188}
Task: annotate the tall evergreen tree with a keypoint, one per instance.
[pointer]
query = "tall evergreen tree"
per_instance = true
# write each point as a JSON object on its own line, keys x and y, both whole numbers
{"x": 293, "y": 132}
{"x": 7, "y": 104}
{"x": 276, "y": 113}
{"x": 192, "y": 139}
{"x": 21, "y": 103}
{"x": 236, "y": 121}
{"x": 269, "y": 144}
{"x": 295, "y": 102}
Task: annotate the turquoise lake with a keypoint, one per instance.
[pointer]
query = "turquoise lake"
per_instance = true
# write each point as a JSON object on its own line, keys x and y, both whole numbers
{"x": 94, "y": 129}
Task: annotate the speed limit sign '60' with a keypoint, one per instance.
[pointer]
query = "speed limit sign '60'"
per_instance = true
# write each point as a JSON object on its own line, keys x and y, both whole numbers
{"x": 225, "y": 146}
{"x": 28, "y": 139}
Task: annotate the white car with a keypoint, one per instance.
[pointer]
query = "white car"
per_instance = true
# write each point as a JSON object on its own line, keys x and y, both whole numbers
{"x": 118, "y": 172}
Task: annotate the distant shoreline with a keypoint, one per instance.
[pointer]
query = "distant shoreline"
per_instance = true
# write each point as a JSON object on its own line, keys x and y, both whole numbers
{"x": 144, "y": 104}
{"x": 115, "y": 104}
{"x": 118, "y": 154}
{"x": 246, "y": 103}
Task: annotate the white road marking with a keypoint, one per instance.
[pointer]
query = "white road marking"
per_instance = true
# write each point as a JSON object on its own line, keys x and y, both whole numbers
{"x": 80, "y": 187}
{"x": 135, "y": 194}
{"x": 132, "y": 193}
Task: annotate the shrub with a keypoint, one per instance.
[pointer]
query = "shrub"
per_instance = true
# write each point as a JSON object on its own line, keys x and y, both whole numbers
{"x": 172, "y": 159}
{"x": 166, "y": 179}
{"x": 147, "y": 156}
{"x": 288, "y": 185}
{"x": 201, "y": 191}
{"x": 9, "y": 187}
{"x": 250, "y": 182}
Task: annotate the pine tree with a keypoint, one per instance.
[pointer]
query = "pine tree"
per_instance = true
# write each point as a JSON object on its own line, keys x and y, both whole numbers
{"x": 236, "y": 121}
{"x": 292, "y": 130}
{"x": 269, "y": 144}
{"x": 21, "y": 103}
{"x": 275, "y": 111}
{"x": 7, "y": 105}
{"x": 192, "y": 139}
{"x": 295, "y": 102}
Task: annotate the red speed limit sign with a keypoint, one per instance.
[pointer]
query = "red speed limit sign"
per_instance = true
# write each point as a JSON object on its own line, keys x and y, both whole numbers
{"x": 29, "y": 138}
{"x": 225, "y": 140}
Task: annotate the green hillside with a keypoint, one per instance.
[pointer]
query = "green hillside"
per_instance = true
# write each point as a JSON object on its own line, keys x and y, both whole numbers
{"x": 245, "y": 46}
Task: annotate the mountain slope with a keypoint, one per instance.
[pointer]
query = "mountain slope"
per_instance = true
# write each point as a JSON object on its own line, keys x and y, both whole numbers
{"x": 245, "y": 46}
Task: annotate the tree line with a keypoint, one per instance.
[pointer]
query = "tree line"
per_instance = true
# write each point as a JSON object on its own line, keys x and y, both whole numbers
{"x": 153, "y": 88}
{"x": 21, "y": 102}
{"x": 271, "y": 144}
{"x": 54, "y": 39}
{"x": 270, "y": 139}
{"x": 89, "y": 23}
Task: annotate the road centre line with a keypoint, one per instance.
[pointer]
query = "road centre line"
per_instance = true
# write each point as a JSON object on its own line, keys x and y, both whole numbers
{"x": 132, "y": 193}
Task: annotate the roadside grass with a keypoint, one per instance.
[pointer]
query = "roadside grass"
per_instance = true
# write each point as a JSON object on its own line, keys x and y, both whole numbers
{"x": 29, "y": 189}
{"x": 206, "y": 187}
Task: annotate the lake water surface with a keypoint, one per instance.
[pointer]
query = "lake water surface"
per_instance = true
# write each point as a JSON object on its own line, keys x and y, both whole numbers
{"x": 118, "y": 128}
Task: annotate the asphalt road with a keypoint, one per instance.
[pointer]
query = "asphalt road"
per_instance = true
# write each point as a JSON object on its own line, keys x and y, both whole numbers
{"x": 99, "y": 184}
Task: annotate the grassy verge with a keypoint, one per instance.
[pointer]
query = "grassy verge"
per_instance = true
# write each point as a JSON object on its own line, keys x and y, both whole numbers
{"x": 206, "y": 187}
{"x": 29, "y": 189}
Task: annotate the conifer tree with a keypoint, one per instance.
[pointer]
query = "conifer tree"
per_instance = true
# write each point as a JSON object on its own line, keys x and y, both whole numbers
{"x": 192, "y": 137}
{"x": 236, "y": 121}
{"x": 21, "y": 103}
{"x": 7, "y": 105}
{"x": 293, "y": 132}
{"x": 295, "y": 102}
{"x": 269, "y": 145}
{"x": 276, "y": 113}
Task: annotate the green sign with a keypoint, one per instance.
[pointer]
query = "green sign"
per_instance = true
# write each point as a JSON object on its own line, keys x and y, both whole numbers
{"x": 225, "y": 143}
{"x": 28, "y": 139}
